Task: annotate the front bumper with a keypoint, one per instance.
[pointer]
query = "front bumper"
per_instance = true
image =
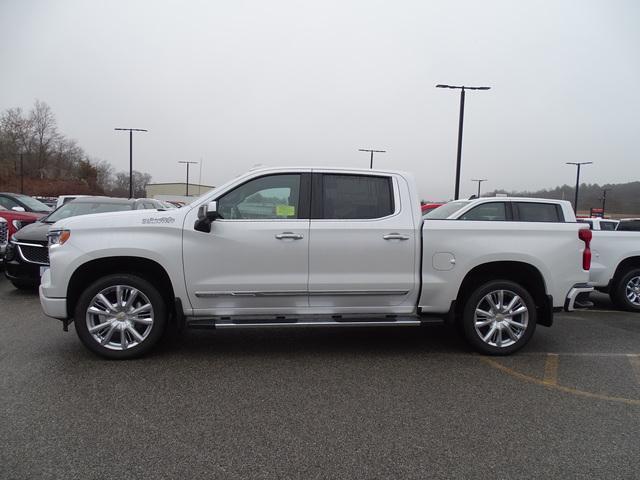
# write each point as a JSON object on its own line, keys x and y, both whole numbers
{"x": 573, "y": 293}
{"x": 52, "y": 307}
{"x": 20, "y": 271}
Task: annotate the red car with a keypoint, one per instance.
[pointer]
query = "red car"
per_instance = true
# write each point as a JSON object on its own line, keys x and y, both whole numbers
{"x": 17, "y": 220}
{"x": 427, "y": 207}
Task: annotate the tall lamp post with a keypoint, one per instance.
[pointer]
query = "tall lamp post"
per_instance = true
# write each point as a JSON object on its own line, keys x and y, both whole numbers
{"x": 187, "y": 163}
{"x": 460, "y": 122}
{"x": 604, "y": 199}
{"x": 131, "y": 130}
{"x": 479, "y": 180}
{"x": 372, "y": 152}
{"x": 577, "y": 164}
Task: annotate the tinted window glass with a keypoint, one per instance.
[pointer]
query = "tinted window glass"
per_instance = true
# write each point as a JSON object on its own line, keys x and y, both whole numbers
{"x": 538, "y": 212}
{"x": 8, "y": 203}
{"x": 446, "y": 210}
{"x": 272, "y": 197}
{"x": 494, "y": 211}
{"x": 33, "y": 204}
{"x": 610, "y": 226}
{"x": 629, "y": 225}
{"x": 356, "y": 197}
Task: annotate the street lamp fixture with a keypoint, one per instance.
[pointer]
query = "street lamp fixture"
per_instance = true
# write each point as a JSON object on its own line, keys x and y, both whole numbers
{"x": 187, "y": 163}
{"x": 131, "y": 130}
{"x": 372, "y": 152}
{"x": 577, "y": 164}
{"x": 462, "y": 89}
{"x": 479, "y": 180}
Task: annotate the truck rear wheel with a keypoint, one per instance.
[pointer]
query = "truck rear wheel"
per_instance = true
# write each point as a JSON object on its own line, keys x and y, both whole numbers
{"x": 120, "y": 316}
{"x": 499, "y": 317}
{"x": 626, "y": 294}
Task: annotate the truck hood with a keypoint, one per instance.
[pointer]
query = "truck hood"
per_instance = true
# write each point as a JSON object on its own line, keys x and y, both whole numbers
{"x": 34, "y": 232}
{"x": 123, "y": 219}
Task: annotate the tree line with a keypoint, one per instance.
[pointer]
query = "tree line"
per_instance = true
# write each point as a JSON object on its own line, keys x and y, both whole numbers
{"x": 39, "y": 159}
{"x": 623, "y": 198}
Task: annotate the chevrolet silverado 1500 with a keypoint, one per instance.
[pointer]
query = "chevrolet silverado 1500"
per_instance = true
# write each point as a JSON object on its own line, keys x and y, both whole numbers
{"x": 306, "y": 247}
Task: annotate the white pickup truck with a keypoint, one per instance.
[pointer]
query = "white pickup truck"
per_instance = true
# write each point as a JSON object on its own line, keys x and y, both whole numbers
{"x": 300, "y": 247}
{"x": 616, "y": 267}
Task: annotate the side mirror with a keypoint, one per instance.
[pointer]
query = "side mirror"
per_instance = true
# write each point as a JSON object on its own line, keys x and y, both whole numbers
{"x": 18, "y": 209}
{"x": 207, "y": 213}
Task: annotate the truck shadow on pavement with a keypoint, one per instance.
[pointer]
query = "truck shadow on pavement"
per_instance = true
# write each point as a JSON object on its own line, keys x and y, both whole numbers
{"x": 338, "y": 340}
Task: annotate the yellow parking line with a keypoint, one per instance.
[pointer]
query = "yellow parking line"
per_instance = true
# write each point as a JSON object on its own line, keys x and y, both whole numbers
{"x": 551, "y": 369}
{"x": 634, "y": 360}
{"x": 573, "y": 391}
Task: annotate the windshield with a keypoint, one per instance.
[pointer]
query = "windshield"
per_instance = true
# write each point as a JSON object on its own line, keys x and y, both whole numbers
{"x": 33, "y": 204}
{"x": 73, "y": 209}
{"x": 445, "y": 210}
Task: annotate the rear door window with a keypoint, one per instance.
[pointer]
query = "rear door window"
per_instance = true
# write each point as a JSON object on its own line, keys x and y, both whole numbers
{"x": 609, "y": 226}
{"x": 487, "y": 212}
{"x": 538, "y": 212}
{"x": 352, "y": 197}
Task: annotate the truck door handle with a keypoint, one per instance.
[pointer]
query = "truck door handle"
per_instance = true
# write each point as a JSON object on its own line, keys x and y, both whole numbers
{"x": 395, "y": 236}
{"x": 290, "y": 235}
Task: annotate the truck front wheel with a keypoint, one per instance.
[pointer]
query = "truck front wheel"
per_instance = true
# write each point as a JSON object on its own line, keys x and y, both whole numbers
{"x": 120, "y": 316}
{"x": 499, "y": 317}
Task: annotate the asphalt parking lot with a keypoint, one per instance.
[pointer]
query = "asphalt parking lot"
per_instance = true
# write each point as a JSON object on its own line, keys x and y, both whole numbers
{"x": 329, "y": 403}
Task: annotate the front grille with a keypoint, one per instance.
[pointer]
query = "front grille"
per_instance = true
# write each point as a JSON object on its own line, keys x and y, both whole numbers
{"x": 4, "y": 233}
{"x": 35, "y": 254}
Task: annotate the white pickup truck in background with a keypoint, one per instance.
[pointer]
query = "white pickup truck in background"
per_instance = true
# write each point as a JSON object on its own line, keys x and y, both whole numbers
{"x": 299, "y": 247}
{"x": 616, "y": 267}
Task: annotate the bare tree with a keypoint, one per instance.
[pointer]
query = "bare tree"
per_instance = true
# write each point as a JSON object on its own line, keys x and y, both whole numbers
{"x": 45, "y": 132}
{"x": 52, "y": 161}
{"x": 105, "y": 173}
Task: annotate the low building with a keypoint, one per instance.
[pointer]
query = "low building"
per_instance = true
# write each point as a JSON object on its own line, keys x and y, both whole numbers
{"x": 163, "y": 191}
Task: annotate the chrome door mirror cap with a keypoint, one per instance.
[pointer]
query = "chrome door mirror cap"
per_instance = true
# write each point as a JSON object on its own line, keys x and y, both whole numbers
{"x": 208, "y": 211}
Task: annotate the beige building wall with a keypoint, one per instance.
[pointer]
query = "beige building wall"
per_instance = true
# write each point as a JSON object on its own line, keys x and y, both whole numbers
{"x": 178, "y": 189}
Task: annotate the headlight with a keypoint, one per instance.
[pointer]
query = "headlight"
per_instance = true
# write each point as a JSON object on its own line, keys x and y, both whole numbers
{"x": 58, "y": 237}
{"x": 17, "y": 224}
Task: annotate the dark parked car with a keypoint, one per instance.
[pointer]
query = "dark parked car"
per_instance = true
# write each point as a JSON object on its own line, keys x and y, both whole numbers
{"x": 27, "y": 255}
{"x": 23, "y": 203}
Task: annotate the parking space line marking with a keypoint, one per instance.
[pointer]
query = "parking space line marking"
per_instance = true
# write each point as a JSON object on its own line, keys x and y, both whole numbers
{"x": 595, "y": 311}
{"x": 573, "y": 391}
{"x": 551, "y": 369}
{"x": 578, "y": 354}
{"x": 634, "y": 360}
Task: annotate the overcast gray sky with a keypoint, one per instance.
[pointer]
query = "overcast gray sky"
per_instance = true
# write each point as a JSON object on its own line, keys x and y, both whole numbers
{"x": 239, "y": 83}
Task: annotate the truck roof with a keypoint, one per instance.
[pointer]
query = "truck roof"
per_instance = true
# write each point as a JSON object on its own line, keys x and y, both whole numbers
{"x": 364, "y": 171}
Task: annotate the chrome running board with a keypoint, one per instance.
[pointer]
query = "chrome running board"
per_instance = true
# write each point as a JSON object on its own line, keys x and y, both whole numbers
{"x": 303, "y": 321}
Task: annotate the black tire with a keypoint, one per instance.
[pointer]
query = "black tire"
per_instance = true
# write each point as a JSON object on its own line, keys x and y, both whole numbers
{"x": 147, "y": 289}
{"x": 619, "y": 292}
{"x": 477, "y": 299}
{"x": 28, "y": 286}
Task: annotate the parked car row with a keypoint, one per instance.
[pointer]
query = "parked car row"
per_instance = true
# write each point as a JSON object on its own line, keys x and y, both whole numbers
{"x": 609, "y": 224}
{"x": 26, "y": 255}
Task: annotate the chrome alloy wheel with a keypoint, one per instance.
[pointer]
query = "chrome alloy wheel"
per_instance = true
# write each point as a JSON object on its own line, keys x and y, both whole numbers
{"x": 120, "y": 317}
{"x": 501, "y": 318}
{"x": 633, "y": 290}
